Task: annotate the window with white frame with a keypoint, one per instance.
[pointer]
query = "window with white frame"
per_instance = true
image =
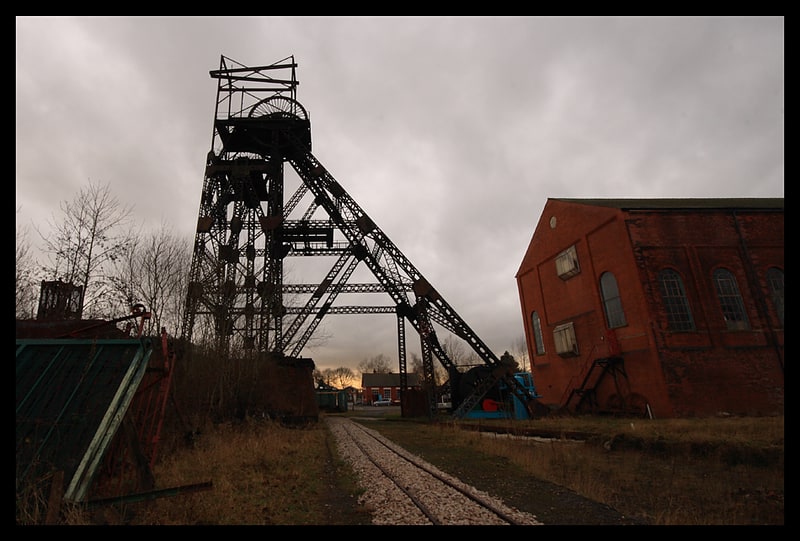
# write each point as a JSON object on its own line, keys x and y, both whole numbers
{"x": 730, "y": 301}
{"x": 566, "y": 343}
{"x": 673, "y": 294}
{"x": 567, "y": 263}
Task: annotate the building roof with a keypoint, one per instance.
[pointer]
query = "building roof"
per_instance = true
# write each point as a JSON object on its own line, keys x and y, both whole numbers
{"x": 387, "y": 380}
{"x": 765, "y": 203}
{"x": 68, "y": 328}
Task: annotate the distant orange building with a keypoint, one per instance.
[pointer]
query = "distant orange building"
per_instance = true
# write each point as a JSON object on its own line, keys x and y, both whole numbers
{"x": 660, "y": 307}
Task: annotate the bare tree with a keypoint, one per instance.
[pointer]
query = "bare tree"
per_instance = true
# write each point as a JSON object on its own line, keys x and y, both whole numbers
{"x": 153, "y": 269}
{"x": 342, "y": 377}
{"x": 379, "y": 364}
{"x": 520, "y": 351}
{"x": 458, "y": 352}
{"x": 318, "y": 375}
{"x": 25, "y": 276}
{"x": 336, "y": 377}
{"x": 440, "y": 375}
{"x": 89, "y": 234}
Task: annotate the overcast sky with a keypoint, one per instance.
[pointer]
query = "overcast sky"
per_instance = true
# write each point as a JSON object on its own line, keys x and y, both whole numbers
{"x": 450, "y": 132}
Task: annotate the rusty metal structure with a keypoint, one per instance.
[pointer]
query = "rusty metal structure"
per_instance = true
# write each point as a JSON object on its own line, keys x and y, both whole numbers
{"x": 90, "y": 404}
{"x": 250, "y": 220}
{"x": 59, "y": 301}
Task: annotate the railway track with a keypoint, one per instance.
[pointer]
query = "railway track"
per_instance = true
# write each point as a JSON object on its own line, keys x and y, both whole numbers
{"x": 402, "y": 489}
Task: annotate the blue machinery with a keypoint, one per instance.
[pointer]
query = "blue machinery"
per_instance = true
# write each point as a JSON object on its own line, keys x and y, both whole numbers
{"x": 501, "y": 402}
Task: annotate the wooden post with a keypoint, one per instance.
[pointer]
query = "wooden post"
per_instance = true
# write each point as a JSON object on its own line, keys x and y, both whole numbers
{"x": 55, "y": 499}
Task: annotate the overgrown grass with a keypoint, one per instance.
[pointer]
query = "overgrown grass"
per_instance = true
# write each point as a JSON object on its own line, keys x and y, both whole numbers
{"x": 666, "y": 472}
{"x": 262, "y": 474}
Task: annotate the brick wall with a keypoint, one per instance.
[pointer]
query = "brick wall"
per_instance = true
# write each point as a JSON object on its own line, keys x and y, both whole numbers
{"x": 677, "y": 374}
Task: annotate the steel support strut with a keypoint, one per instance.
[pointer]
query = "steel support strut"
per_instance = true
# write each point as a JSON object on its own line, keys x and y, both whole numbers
{"x": 244, "y": 233}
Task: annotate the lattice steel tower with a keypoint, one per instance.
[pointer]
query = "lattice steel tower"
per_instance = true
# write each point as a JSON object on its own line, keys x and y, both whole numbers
{"x": 245, "y": 231}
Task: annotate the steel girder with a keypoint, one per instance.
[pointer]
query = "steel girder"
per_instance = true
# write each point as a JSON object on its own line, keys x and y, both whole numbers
{"x": 244, "y": 233}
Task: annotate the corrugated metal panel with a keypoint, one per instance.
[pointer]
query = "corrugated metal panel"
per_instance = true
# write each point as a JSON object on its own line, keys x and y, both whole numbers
{"x": 71, "y": 396}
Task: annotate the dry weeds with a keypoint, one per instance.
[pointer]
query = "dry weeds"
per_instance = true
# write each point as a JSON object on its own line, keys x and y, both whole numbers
{"x": 666, "y": 472}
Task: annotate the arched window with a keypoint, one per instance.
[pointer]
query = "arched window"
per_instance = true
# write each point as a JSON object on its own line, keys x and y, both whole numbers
{"x": 775, "y": 281}
{"x": 679, "y": 315}
{"x": 730, "y": 300}
{"x": 612, "y": 303}
{"x": 538, "y": 341}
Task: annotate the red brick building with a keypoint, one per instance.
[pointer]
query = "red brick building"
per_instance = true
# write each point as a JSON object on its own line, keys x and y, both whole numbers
{"x": 385, "y": 386}
{"x": 660, "y": 307}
